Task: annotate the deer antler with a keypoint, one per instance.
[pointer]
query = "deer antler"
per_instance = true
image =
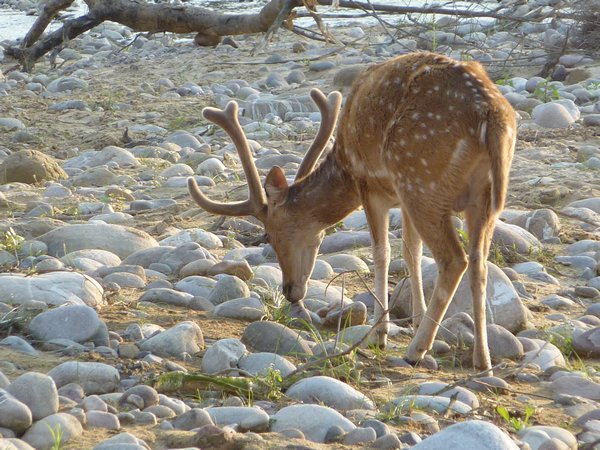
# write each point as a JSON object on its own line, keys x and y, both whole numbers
{"x": 253, "y": 206}
{"x": 330, "y": 108}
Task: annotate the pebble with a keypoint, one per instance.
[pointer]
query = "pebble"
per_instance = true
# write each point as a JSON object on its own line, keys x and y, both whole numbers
{"x": 78, "y": 323}
{"x": 14, "y": 415}
{"x": 93, "y": 377}
{"x": 223, "y": 355}
{"x": 40, "y": 436}
{"x": 184, "y": 338}
{"x": 329, "y": 392}
{"x": 313, "y": 421}
{"x": 246, "y": 418}
{"x": 469, "y": 435}
{"x": 249, "y": 309}
{"x": 273, "y": 337}
{"x": 38, "y": 392}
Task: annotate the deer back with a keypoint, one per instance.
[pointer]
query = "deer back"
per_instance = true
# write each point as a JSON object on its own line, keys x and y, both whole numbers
{"x": 418, "y": 123}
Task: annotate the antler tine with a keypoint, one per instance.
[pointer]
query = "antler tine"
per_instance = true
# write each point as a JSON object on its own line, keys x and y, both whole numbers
{"x": 228, "y": 121}
{"x": 330, "y": 108}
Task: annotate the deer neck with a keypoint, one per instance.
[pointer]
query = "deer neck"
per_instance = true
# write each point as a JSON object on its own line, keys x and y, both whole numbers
{"x": 327, "y": 195}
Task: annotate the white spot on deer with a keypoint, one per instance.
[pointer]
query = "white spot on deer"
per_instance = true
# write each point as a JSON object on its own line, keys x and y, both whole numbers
{"x": 424, "y": 162}
{"x": 432, "y": 185}
{"x": 450, "y": 107}
{"x": 409, "y": 154}
{"x": 438, "y": 117}
{"x": 432, "y": 131}
{"x": 436, "y": 88}
{"x": 402, "y": 142}
{"x": 430, "y": 115}
{"x": 468, "y": 83}
{"x": 466, "y": 75}
{"x": 415, "y": 116}
{"x": 397, "y": 156}
{"x": 472, "y": 131}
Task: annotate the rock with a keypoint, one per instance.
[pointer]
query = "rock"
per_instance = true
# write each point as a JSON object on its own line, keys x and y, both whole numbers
{"x": 313, "y": 420}
{"x": 223, "y": 354}
{"x": 546, "y": 355}
{"x": 259, "y": 364}
{"x": 436, "y": 403}
{"x": 19, "y": 345}
{"x": 120, "y": 240}
{"x": 330, "y": 392}
{"x": 168, "y": 296}
{"x": 587, "y": 344}
{"x": 54, "y": 288}
{"x": 502, "y": 343}
{"x": 147, "y": 394}
{"x": 457, "y": 330}
{"x": 111, "y": 155}
{"x": 434, "y": 388}
{"x": 247, "y": 418}
{"x": 194, "y": 418}
{"x": 574, "y": 385}
{"x": 40, "y": 436}
{"x": 249, "y": 309}
{"x": 345, "y": 240}
{"x": 542, "y": 223}
{"x": 514, "y": 238}
{"x": 552, "y": 115}
{"x": 273, "y": 337}
{"x": 227, "y": 288}
{"x": 14, "y": 415}
{"x": 30, "y": 166}
{"x": 38, "y": 392}
{"x": 63, "y": 84}
{"x": 350, "y": 315}
{"x": 185, "y": 337}
{"x": 503, "y": 304}
{"x": 468, "y": 435}
{"x": 536, "y": 435}
{"x": 14, "y": 444}
{"x": 125, "y": 441}
{"x": 240, "y": 269}
{"x": 79, "y": 323}
{"x": 206, "y": 239}
{"x": 360, "y": 436}
{"x": 101, "y": 419}
{"x": 93, "y": 377}
{"x": 346, "y": 262}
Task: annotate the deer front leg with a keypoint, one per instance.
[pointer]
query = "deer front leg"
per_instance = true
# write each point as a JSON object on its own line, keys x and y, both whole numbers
{"x": 377, "y": 213}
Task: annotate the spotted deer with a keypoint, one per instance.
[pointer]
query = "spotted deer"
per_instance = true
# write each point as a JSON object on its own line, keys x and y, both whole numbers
{"x": 422, "y": 132}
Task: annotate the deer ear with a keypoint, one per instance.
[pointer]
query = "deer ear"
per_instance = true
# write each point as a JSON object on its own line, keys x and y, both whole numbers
{"x": 276, "y": 186}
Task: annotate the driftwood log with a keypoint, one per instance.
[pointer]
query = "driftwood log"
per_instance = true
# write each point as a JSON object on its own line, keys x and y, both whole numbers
{"x": 209, "y": 25}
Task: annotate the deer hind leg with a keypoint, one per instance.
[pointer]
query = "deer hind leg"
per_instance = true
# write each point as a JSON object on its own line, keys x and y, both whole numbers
{"x": 439, "y": 235}
{"x": 377, "y": 212}
{"x": 480, "y": 225}
{"x": 412, "y": 251}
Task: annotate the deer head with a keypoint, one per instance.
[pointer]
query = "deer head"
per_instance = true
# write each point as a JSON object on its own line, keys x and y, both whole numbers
{"x": 294, "y": 236}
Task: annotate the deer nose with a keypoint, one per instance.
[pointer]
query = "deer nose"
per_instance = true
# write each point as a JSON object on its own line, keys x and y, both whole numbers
{"x": 287, "y": 290}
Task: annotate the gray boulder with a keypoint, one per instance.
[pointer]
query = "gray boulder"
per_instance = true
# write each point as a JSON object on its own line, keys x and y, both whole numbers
{"x": 79, "y": 323}
{"x": 504, "y": 306}
{"x": 120, "y": 240}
